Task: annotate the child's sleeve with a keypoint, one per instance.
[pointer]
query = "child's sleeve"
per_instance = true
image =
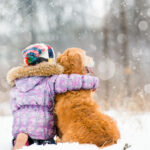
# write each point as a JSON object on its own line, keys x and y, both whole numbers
{"x": 89, "y": 82}
{"x": 72, "y": 82}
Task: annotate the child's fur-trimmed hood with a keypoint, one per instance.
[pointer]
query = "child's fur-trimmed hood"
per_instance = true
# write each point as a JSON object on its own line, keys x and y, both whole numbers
{"x": 41, "y": 69}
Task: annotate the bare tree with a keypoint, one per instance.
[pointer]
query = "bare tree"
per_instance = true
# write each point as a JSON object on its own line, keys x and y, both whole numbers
{"x": 106, "y": 51}
{"x": 28, "y": 11}
{"x": 124, "y": 31}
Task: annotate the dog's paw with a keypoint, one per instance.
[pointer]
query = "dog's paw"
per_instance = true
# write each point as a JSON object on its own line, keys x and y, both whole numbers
{"x": 58, "y": 139}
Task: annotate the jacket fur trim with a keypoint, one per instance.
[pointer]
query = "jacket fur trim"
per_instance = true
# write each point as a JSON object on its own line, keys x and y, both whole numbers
{"x": 41, "y": 69}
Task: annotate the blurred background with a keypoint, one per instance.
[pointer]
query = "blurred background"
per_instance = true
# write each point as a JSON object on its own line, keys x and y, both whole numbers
{"x": 116, "y": 33}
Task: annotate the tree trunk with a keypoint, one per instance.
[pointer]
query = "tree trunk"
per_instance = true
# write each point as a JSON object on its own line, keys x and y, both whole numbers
{"x": 106, "y": 53}
{"x": 124, "y": 31}
{"x": 27, "y": 11}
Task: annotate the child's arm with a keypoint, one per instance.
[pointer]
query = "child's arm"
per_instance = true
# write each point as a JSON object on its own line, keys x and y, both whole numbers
{"x": 64, "y": 83}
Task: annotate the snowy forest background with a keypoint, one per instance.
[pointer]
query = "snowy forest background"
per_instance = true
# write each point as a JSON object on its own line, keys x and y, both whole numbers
{"x": 116, "y": 33}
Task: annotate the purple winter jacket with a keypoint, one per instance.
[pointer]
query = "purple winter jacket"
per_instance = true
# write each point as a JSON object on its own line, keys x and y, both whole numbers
{"x": 32, "y": 102}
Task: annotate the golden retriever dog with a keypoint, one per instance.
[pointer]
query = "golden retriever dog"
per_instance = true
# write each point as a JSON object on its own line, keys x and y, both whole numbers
{"x": 78, "y": 116}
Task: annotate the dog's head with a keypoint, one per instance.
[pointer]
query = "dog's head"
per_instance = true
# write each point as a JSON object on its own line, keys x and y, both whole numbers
{"x": 75, "y": 60}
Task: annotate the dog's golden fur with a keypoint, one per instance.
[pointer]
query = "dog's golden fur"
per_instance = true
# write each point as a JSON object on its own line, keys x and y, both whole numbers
{"x": 79, "y": 117}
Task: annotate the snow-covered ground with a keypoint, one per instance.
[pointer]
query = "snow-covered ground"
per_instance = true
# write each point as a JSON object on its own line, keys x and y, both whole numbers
{"x": 134, "y": 128}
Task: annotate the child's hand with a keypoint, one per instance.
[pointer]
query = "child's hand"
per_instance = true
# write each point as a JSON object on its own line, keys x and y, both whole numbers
{"x": 94, "y": 90}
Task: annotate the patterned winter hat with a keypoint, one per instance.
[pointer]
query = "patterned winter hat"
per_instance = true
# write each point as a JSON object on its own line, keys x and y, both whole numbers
{"x": 37, "y": 53}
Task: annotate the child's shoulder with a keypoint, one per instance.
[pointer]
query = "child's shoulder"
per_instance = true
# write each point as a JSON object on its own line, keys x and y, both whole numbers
{"x": 41, "y": 69}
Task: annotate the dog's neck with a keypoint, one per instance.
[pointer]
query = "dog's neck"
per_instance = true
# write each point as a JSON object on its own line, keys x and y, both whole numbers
{"x": 69, "y": 94}
{"x": 81, "y": 71}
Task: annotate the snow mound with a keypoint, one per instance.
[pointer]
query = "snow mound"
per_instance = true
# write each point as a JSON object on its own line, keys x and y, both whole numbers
{"x": 62, "y": 146}
{"x": 134, "y": 128}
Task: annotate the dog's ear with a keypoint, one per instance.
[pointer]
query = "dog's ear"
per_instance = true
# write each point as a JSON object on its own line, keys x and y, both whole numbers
{"x": 76, "y": 62}
{"x": 72, "y": 62}
{"x": 61, "y": 59}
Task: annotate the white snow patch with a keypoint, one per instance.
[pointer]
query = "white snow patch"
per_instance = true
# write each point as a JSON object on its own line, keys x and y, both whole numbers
{"x": 5, "y": 133}
{"x": 63, "y": 146}
{"x": 134, "y": 128}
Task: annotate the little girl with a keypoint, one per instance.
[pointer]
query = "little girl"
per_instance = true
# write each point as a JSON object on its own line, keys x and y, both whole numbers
{"x": 34, "y": 86}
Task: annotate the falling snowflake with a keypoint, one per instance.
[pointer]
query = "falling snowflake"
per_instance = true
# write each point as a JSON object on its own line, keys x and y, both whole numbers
{"x": 147, "y": 88}
{"x": 143, "y": 25}
{"x": 136, "y": 52}
{"x": 148, "y": 12}
{"x": 121, "y": 38}
{"x": 92, "y": 47}
{"x": 106, "y": 69}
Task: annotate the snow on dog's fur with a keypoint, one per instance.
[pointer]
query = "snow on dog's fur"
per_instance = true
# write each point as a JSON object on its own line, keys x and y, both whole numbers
{"x": 79, "y": 118}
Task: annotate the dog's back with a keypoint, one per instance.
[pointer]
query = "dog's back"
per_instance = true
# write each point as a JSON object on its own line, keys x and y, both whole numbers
{"x": 80, "y": 120}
